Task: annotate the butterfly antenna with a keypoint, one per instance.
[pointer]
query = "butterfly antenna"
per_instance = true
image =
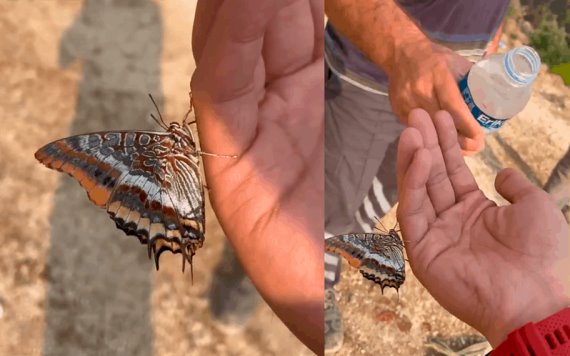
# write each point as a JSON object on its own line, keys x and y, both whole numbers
{"x": 384, "y": 227}
{"x": 161, "y": 123}
{"x": 395, "y": 226}
{"x": 377, "y": 222}
{"x": 157, "y": 121}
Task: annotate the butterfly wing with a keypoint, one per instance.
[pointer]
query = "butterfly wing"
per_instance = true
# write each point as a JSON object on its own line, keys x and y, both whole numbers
{"x": 385, "y": 264}
{"x": 97, "y": 161}
{"x": 379, "y": 257}
{"x": 350, "y": 246}
{"x": 162, "y": 202}
{"x": 148, "y": 183}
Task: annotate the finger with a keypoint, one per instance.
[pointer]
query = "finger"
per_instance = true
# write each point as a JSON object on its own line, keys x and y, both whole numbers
{"x": 409, "y": 145}
{"x": 204, "y": 17}
{"x": 461, "y": 139}
{"x": 472, "y": 146}
{"x": 514, "y": 186}
{"x": 414, "y": 212}
{"x": 459, "y": 67}
{"x": 317, "y": 10}
{"x": 426, "y": 96}
{"x": 402, "y": 106}
{"x": 429, "y": 105}
{"x": 410, "y": 142}
{"x": 289, "y": 40}
{"x": 233, "y": 48}
{"x": 439, "y": 186}
{"x": 231, "y": 70}
{"x": 459, "y": 174}
{"x": 450, "y": 100}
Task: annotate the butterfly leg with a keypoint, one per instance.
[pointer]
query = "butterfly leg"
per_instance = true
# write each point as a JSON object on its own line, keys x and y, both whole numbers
{"x": 216, "y": 155}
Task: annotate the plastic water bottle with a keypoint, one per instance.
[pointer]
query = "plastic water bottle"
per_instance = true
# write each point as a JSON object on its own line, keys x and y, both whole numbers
{"x": 499, "y": 87}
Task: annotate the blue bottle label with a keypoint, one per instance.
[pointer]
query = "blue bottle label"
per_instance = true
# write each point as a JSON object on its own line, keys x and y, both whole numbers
{"x": 487, "y": 122}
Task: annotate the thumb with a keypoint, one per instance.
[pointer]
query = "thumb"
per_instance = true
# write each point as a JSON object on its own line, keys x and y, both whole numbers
{"x": 233, "y": 48}
{"x": 459, "y": 67}
{"x": 513, "y": 185}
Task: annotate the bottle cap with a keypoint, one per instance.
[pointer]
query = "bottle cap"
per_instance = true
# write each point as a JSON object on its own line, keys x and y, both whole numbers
{"x": 522, "y": 65}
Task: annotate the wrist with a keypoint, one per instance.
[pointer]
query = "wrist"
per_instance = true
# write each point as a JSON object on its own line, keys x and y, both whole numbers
{"x": 534, "y": 312}
{"x": 405, "y": 48}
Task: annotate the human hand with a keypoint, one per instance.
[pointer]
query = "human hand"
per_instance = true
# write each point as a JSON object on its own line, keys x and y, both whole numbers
{"x": 492, "y": 267}
{"x": 425, "y": 75}
{"x": 258, "y": 93}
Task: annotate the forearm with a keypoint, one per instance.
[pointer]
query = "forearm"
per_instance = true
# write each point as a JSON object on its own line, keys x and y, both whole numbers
{"x": 379, "y": 28}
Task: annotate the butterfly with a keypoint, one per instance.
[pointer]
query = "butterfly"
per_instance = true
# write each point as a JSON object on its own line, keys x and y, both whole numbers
{"x": 149, "y": 182}
{"x": 379, "y": 257}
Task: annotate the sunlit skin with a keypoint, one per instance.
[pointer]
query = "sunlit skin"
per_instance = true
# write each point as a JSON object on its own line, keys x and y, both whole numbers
{"x": 421, "y": 74}
{"x": 496, "y": 268}
{"x": 258, "y": 93}
{"x": 431, "y": 84}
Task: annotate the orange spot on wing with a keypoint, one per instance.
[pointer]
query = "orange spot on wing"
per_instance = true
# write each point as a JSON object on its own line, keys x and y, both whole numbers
{"x": 49, "y": 160}
{"x": 353, "y": 261}
{"x": 41, "y": 156}
{"x": 86, "y": 181}
{"x": 64, "y": 166}
{"x": 99, "y": 195}
{"x": 55, "y": 164}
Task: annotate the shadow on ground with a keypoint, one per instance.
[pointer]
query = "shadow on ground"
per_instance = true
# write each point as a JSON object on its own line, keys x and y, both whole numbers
{"x": 99, "y": 282}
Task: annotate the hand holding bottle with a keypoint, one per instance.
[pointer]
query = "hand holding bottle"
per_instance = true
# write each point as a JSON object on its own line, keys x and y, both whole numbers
{"x": 425, "y": 75}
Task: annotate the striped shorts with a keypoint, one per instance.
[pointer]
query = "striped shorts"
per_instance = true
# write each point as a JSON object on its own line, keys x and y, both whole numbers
{"x": 361, "y": 141}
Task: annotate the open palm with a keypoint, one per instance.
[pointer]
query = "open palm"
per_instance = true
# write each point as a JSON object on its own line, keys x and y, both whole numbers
{"x": 258, "y": 94}
{"x": 493, "y": 267}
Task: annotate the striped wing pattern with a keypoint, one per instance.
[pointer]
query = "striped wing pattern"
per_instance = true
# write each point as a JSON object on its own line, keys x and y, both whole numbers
{"x": 379, "y": 257}
{"x": 149, "y": 183}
